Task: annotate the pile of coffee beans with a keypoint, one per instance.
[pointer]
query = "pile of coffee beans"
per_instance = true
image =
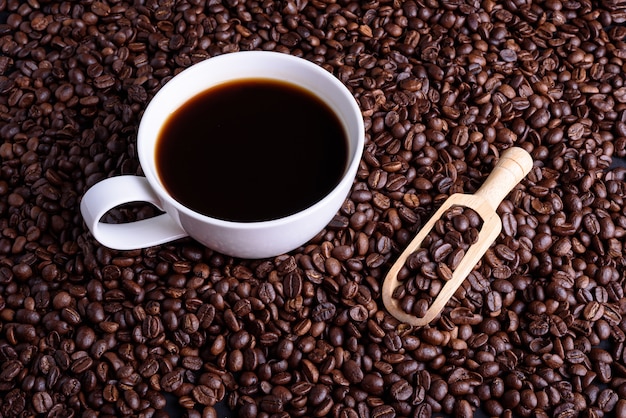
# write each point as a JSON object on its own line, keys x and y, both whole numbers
{"x": 427, "y": 269}
{"x": 536, "y": 330}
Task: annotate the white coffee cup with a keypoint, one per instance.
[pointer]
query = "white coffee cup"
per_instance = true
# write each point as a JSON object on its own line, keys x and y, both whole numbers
{"x": 239, "y": 239}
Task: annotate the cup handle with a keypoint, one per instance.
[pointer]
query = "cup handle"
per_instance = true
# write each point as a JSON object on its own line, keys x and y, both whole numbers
{"x": 115, "y": 191}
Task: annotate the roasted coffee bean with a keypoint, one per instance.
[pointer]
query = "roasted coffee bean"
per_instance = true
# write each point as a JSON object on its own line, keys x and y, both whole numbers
{"x": 42, "y": 402}
{"x": 205, "y": 395}
{"x": 171, "y": 380}
{"x": 401, "y": 390}
{"x": 373, "y": 384}
{"x": 271, "y": 404}
{"x": 352, "y": 371}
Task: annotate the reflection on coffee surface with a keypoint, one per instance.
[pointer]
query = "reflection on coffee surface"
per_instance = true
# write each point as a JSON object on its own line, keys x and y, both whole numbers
{"x": 251, "y": 150}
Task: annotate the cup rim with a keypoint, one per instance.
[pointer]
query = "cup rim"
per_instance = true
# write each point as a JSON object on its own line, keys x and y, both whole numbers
{"x": 356, "y": 145}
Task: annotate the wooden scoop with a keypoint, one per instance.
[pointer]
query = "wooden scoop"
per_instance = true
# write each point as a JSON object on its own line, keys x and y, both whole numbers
{"x": 511, "y": 168}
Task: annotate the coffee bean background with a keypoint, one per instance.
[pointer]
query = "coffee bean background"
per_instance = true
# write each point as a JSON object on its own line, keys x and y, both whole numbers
{"x": 537, "y": 329}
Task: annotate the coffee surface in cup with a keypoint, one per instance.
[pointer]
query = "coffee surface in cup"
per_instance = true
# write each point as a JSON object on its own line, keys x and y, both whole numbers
{"x": 251, "y": 150}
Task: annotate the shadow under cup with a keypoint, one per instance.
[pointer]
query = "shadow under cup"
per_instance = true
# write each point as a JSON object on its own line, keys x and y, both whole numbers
{"x": 256, "y": 239}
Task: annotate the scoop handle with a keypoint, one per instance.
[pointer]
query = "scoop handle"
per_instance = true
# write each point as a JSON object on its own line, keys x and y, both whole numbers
{"x": 511, "y": 168}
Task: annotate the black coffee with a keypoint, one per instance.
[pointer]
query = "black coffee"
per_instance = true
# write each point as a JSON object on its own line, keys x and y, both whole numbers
{"x": 251, "y": 150}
